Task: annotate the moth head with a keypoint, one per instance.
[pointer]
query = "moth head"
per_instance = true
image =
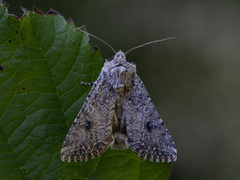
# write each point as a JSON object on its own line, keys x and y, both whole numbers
{"x": 120, "y": 56}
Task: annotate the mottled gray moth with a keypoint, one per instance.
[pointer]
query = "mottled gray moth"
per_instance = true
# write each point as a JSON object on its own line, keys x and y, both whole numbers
{"x": 118, "y": 112}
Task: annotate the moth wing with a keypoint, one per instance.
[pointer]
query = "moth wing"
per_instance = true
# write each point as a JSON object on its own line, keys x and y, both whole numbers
{"x": 146, "y": 133}
{"x": 91, "y": 132}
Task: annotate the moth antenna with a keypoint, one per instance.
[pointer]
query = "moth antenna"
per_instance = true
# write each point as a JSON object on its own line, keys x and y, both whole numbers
{"x": 104, "y": 42}
{"x": 145, "y": 44}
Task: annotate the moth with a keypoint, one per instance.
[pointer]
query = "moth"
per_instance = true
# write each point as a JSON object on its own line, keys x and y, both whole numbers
{"x": 118, "y": 112}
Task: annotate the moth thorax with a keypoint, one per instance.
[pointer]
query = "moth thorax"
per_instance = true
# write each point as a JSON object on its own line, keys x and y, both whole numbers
{"x": 119, "y": 75}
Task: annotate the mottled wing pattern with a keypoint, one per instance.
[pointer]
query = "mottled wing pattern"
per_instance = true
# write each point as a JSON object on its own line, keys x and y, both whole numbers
{"x": 91, "y": 132}
{"x": 146, "y": 133}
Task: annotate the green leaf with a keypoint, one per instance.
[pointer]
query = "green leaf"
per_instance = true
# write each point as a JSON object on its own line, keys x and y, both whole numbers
{"x": 43, "y": 59}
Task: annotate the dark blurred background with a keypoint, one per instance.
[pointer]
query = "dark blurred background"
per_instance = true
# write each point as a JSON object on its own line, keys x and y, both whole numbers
{"x": 193, "y": 80}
